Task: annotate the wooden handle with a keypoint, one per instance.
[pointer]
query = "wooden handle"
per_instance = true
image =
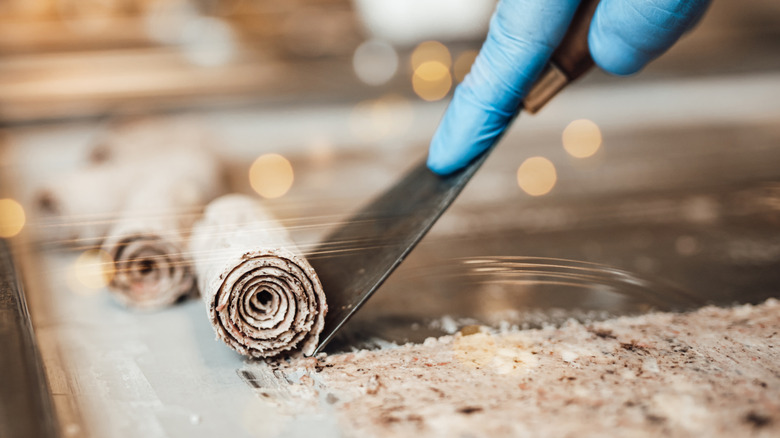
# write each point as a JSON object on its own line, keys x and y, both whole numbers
{"x": 573, "y": 55}
{"x": 569, "y": 61}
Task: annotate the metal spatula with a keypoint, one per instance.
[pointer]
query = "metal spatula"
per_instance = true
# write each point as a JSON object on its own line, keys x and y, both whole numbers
{"x": 356, "y": 258}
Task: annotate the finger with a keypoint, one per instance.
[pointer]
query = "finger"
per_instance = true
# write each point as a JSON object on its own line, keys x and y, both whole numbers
{"x": 625, "y": 35}
{"x": 522, "y": 36}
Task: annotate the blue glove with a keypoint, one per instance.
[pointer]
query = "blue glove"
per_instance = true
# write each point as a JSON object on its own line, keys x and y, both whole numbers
{"x": 624, "y": 36}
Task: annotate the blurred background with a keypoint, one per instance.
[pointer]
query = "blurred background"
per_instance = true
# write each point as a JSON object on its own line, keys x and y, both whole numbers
{"x": 660, "y": 191}
{"x": 67, "y": 58}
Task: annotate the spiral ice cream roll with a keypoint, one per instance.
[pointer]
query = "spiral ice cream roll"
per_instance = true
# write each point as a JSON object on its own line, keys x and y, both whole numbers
{"x": 262, "y": 296}
{"x": 150, "y": 270}
{"x": 148, "y": 245}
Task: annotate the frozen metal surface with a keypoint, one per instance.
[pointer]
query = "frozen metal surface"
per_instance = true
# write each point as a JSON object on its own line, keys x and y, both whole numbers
{"x": 25, "y": 406}
{"x": 357, "y": 257}
{"x": 672, "y": 212}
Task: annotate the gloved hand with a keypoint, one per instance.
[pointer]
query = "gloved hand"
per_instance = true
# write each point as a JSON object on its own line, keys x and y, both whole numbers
{"x": 624, "y": 36}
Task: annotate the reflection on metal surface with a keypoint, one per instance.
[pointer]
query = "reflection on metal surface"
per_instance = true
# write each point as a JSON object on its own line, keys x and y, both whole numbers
{"x": 271, "y": 176}
{"x": 582, "y": 138}
{"x": 537, "y": 271}
{"x": 504, "y": 291}
{"x": 12, "y": 217}
{"x": 536, "y": 176}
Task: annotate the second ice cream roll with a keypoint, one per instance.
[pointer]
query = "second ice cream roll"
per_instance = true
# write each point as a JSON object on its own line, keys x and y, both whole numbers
{"x": 148, "y": 245}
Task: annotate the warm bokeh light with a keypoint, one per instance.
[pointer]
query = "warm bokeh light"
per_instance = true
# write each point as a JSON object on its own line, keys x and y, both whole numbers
{"x": 271, "y": 176}
{"x": 375, "y": 62}
{"x": 432, "y": 81}
{"x": 92, "y": 271}
{"x": 463, "y": 64}
{"x": 582, "y": 138}
{"x": 431, "y": 71}
{"x": 431, "y": 63}
{"x": 537, "y": 176}
{"x": 12, "y": 217}
{"x": 431, "y": 51}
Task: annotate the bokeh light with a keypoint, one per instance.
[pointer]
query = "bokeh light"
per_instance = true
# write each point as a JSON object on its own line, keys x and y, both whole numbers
{"x": 92, "y": 271}
{"x": 375, "y": 62}
{"x": 12, "y": 217}
{"x": 431, "y": 51}
{"x": 582, "y": 138}
{"x": 537, "y": 176}
{"x": 431, "y": 63}
{"x": 463, "y": 64}
{"x": 271, "y": 176}
{"x": 432, "y": 81}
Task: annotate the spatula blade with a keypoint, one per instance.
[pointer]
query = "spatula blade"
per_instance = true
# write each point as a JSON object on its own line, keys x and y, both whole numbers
{"x": 358, "y": 256}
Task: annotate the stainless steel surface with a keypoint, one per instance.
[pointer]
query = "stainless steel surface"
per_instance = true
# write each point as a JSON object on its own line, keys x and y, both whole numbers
{"x": 666, "y": 215}
{"x": 356, "y": 258}
{"x": 25, "y": 406}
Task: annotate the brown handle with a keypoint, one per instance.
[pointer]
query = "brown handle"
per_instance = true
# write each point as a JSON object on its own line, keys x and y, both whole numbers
{"x": 573, "y": 55}
{"x": 569, "y": 61}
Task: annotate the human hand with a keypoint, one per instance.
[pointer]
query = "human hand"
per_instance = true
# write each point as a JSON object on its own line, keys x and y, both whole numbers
{"x": 624, "y": 36}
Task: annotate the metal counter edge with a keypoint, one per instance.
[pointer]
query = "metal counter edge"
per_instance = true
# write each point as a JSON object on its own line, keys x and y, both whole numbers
{"x": 26, "y": 406}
